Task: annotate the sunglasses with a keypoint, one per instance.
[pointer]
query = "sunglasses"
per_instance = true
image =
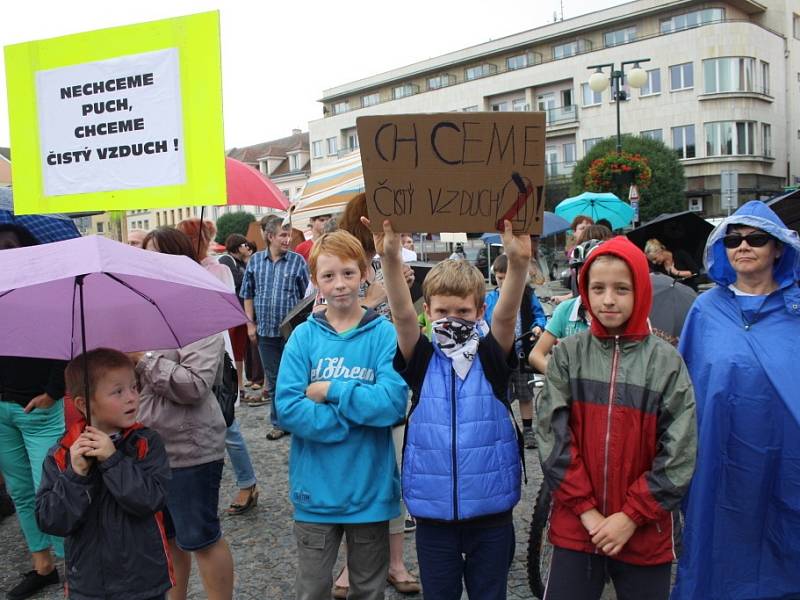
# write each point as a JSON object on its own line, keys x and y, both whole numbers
{"x": 754, "y": 240}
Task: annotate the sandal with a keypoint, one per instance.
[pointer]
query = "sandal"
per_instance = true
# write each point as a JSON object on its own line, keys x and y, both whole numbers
{"x": 255, "y": 386}
{"x": 405, "y": 587}
{"x": 276, "y": 434}
{"x": 240, "y": 509}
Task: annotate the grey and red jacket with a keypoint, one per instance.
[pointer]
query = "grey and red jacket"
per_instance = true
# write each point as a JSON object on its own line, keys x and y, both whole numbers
{"x": 617, "y": 427}
{"x": 111, "y": 518}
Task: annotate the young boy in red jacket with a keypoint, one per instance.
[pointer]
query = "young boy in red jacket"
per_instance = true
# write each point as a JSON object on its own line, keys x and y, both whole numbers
{"x": 617, "y": 438}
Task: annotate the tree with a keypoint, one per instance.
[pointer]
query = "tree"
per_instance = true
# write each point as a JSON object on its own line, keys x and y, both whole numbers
{"x": 237, "y": 222}
{"x": 665, "y": 194}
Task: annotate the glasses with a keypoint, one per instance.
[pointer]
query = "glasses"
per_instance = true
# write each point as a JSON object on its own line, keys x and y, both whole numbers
{"x": 754, "y": 240}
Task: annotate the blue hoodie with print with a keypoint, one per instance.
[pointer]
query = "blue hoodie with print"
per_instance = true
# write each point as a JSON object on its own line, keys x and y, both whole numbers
{"x": 342, "y": 466}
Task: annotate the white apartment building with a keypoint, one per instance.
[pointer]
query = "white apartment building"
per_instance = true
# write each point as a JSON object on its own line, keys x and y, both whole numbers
{"x": 722, "y": 90}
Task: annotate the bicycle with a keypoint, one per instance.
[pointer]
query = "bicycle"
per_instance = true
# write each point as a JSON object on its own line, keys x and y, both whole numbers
{"x": 539, "y": 551}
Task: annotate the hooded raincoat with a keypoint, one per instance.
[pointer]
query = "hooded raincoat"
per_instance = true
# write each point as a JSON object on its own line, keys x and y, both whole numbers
{"x": 742, "y": 536}
{"x": 616, "y": 426}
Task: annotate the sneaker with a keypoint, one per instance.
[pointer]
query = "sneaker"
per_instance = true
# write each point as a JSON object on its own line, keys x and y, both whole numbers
{"x": 31, "y": 583}
{"x": 255, "y": 401}
{"x": 410, "y": 524}
{"x": 529, "y": 438}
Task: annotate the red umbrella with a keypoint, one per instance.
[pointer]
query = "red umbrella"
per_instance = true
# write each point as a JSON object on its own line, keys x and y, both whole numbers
{"x": 247, "y": 185}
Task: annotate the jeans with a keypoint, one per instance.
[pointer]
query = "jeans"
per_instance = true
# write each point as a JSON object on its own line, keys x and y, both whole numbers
{"x": 367, "y": 558}
{"x": 271, "y": 349}
{"x": 25, "y": 439}
{"x": 481, "y": 556}
{"x": 192, "y": 504}
{"x": 239, "y": 456}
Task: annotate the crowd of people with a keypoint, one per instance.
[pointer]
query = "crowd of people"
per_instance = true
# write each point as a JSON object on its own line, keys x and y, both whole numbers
{"x": 401, "y": 417}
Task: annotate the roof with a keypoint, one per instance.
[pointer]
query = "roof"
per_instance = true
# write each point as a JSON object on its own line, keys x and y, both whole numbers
{"x": 274, "y": 148}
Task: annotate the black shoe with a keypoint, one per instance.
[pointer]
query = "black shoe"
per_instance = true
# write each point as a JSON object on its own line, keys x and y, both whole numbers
{"x": 529, "y": 438}
{"x": 410, "y": 524}
{"x": 31, "y": 583}
{"x": 7, "y": 507}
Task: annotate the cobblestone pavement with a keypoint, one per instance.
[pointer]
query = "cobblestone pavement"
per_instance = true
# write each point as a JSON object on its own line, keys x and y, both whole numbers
{"x": 262, "y": 541}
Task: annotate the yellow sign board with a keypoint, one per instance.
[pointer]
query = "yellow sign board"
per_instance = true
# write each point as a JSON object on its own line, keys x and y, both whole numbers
{"x": 118, "y": 119}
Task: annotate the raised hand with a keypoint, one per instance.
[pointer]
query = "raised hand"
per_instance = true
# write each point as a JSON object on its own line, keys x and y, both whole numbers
{"x": 387, "y": 243}
{"x": 516, "y": 247}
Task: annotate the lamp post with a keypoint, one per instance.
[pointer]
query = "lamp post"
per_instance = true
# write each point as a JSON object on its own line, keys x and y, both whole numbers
{"x": 637, "y": 77}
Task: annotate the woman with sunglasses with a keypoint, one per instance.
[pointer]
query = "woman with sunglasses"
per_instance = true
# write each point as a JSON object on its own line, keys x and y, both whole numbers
{"x": 741, "y": 342}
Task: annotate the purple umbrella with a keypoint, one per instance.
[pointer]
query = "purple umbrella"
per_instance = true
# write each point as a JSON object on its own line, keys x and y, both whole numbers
{"x": 58, "y": 300}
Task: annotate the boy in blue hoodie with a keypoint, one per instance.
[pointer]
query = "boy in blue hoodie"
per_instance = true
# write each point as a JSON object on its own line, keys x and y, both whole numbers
{"x": 462, "y": 456}
{"x": 338, "y": 394}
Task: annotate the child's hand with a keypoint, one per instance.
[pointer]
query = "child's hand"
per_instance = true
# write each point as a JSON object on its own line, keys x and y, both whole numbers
{"x": 318, "y": 391}
{"x": 387, "y": 244}
{"x": 591, "y": 519}
{"x": 516, "y": 247}
{"x": 100, "y": 445}
{"x": 613, "y": 532}
{"x": 77, "y": 456}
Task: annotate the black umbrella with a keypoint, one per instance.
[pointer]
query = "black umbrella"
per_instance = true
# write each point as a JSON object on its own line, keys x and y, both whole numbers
{"x": 787, "y": 207}
{"x": 684, "y": 234}
{"x": 671, "y": 302}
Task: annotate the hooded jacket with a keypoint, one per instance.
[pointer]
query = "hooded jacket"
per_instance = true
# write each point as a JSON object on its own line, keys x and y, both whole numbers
{"x": 111, "y": 518}
{"x": 616, "y": 425}
{"x": 742, "y": 534}
{"x": 342, "y": 465}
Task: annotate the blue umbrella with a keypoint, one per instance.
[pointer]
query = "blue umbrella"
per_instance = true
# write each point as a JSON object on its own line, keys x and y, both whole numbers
{"x": 553, "y": 224}
{"x": 597, "y": 206}
{"x": 45, "y": 228}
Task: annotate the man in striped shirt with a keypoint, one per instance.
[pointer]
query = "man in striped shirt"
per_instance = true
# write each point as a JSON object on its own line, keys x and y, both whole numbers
{"x": 274, "y": 282}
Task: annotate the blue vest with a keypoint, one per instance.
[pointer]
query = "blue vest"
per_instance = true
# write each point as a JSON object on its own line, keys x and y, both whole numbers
{"x": 461, "y": 457}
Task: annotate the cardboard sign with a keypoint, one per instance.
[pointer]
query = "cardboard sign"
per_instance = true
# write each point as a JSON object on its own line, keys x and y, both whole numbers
{"x": 454, "y": 172}
{"x": 122, "y": 118}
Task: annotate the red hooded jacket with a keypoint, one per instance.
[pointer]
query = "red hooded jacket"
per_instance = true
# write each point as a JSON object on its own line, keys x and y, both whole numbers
{"x": 616, "y": 425}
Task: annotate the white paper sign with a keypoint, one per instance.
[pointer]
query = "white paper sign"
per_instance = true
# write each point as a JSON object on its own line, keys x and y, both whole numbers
{"x": 111, "y": 125}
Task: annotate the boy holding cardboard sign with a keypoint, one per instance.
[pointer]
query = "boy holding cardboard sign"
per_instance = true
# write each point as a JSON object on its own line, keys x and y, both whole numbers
{"x": 462, "y": 457}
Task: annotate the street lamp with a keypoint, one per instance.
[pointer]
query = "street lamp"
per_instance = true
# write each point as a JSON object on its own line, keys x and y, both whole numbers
{"x": 637, "y": 77}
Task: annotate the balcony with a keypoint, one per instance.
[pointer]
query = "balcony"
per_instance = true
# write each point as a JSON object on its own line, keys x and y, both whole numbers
{"x": 561, "y": 115}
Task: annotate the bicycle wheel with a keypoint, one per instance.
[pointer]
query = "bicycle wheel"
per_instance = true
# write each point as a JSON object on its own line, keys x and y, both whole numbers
{"x": 540, "y": 551}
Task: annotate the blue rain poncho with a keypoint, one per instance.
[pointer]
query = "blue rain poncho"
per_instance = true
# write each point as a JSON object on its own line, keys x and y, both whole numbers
{"x": 742, "y": 529}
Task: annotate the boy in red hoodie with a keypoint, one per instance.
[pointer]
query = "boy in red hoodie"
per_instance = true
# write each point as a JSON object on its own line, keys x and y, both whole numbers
{"x": 617, "y": 436}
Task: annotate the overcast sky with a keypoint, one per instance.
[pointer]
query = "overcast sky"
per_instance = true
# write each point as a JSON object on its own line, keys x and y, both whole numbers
{"x": 278, "y": 56}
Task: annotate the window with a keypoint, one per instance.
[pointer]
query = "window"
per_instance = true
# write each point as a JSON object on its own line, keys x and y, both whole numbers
{"x": 147, "y": 221}
{"x": 473, "y": 108}
{"x": 796, "y": 27}
{"x": 569, "y": 153}
{"x": 590, "y": 97}
{"x": 681, "y": 77}
{"x": 293, "y": 159}
{"x": 402, "y": 91}
{"x": 727, "y": 138}
{"x": 652, "y": 134}
{"x": 683, "y": 141}
{"x": 100, "y": 227}
{"x": 519, "y": 105}
{"x": 286, "y": 193}
{"x": 620, "y": 36}
{"x": 733, "y": 74}
{"x": 589, "y": 144}
{"x": 339, "y": 108}
{"x": 297, "y": 192}
{"x": 500, "y": 107}
{"x": 352, "y": 141}
{"x": 520, "y": 61}
{"x": 483, "y": 70}
{"x": 571, "y": 48}
{"x": 653, "y": 85}
{"x": 566, "y": 97}
{"x": 764, "y": 89}
{"x": 440, "y": 81}
{"x": 316, "y": 148}
{"x": 766, "y": 139}
{"x": 332, "y": 145}
{"x": 370, "y": 99}
{"x": 692, "y": 19}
